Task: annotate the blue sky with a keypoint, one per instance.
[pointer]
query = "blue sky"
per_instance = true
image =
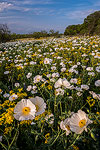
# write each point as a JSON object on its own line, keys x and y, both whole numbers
{"x": 26, "y": 16}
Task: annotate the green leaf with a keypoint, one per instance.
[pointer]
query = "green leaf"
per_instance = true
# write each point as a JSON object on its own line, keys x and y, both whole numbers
{"x": 93, "y": 136}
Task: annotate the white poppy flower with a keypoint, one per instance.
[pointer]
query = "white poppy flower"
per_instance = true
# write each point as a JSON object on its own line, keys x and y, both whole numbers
{"x": 13, "y": 97}
{"x": 79, "y": 93}
{"x": 73, "y": 80}
{"x": 6, "y": 72}
{"x": 29, "y": 88}
{"x": 37, "y": 78}
{"x": 65, "y": 125}
{"x": 98, "y": 69}
{"x": 24, "y": 110}
{"x": 53, "y": 68}
{"x": 91, "y": 73}
{"x": 66, "y": 84}
{"x": 39, "y": 104}
{"x": 79, "y": 122}
{"x": 29, "y": 75}
{"x": 32, "y": 63}
{"x": 50, "y": 118}
{"x": 63, "y": 69}
{"x": 85, "y": 87}
{"x": 6, "y": 95}
{"x": 16, "y": 84}
{"x": 89, "y": 68}
{"x": 96, "y": 96}
{"x": 46, "y": 61}
{"x": 52, "y": 79}
{"x": 58, "y": 83}
{"x": 54, "y": 75}
{"x": 59, "y": 91}
{"x": 97, "y": 83}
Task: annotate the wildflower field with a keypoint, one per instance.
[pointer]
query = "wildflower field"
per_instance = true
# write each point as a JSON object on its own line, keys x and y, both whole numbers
{"x": 50, "y": 94}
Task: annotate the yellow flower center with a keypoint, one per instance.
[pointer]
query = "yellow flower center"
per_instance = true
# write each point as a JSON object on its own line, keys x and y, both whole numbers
{"x": 26, "y": 110}
{"x": 67, "y": 126}
{"x": 82, "y": 123}
{"x": 37, "y": 107}
{"x": 38, "y": 79}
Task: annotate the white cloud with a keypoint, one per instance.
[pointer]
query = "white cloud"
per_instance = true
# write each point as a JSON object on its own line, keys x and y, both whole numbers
{"x": 5, "y": 5}
{"x": 31, "y": 2}
{"x": 34, "y": 2}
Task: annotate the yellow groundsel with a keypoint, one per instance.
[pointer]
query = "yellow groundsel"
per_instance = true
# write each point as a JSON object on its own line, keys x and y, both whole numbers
{"x": 19, "y": 76}
{"x": 19, "y": 68}
{"x": 43, "y": 85}
{"x": 11, "y": 91}
{"x": 98, "y": 113}
{"x": 47, "y": 136}
{"x": 21, "y": 95}
{"x": 75, "y": 147}
{"x": 7, "y": 117}
{"x": 7, "y": 130}
{"x": 49, "y": 87}
{"x": 27, "y": 122}
{"x": 91, "y": 101}
{"x": 20, "y": 90}
{"x": 79, "y": 81}
{"x": 40, "y": 116}
{"x": 0, "y": 90}
{"x": 8, "y": 103}
{"x": 41, "y": 62}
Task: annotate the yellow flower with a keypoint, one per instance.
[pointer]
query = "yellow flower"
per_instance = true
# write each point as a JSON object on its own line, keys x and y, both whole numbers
{"x": 43, "y": 85}
{"x": 19, "y": 76}
{"x": 11, "y": 91}
{"x": 49, "y": 87}
{"x": 47, "y": 137}
{"x": 20, "y": 90}
{"x": 7, "y": 130}
{"x": 98, "y": 113}
{"x": 0, "y": 91}
{"x": 91, "y": 101}
{"x": 75, "y": 147}
{"x": 41, "y": 62}
{"x": 40, "y": 116}
{"x": 79, "y": 81}
{"x": 19, "y": 67}
{"x": 27, "y": 122}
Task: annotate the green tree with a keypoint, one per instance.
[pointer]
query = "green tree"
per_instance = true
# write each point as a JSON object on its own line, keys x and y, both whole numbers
{"x": 4, "y": 33}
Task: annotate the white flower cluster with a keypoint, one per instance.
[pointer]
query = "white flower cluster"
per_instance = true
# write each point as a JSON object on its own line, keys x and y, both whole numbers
{"x": 77, "y": 123}
{"x": 27, "y": 109}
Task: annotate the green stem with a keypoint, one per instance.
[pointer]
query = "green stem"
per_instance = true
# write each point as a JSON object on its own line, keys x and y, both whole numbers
{"x": 55, "y": 105}
{"x": 63, "y": 133}
{"x": 13, "y": 138}
{"x": 3, "y": 146}
{"x": 83, "y": 105}
{"x": 55, "y": 139}
{"x": 75, "y": 141}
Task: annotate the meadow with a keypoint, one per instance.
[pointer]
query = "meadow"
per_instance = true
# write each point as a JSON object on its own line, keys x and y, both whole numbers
{"x": 50, "y": 94}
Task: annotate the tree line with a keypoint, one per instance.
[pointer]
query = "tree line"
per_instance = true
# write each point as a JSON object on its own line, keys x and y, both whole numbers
{"x": 90, "y": 26}
{"x": 6, "y": 35}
